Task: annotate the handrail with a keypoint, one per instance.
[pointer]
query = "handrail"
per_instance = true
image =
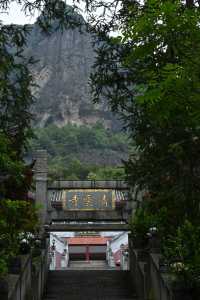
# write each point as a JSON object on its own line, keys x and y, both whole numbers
{"x": 163, "y": 286}
{"x": 146, "y": 274}
{"x": 26, "y": 282}
{"x": 19, "y": 280}
{"x": 160, "y": 274}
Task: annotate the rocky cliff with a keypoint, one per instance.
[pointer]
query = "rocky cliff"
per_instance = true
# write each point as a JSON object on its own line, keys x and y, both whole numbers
{"x": 62, "y": 75}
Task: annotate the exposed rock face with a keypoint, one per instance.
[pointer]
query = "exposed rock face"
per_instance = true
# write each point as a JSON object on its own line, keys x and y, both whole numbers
{"x": 62, "y": 74}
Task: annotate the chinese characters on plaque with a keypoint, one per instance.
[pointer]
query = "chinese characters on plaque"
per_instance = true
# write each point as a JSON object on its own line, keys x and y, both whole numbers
{"x": 88, "y": 199}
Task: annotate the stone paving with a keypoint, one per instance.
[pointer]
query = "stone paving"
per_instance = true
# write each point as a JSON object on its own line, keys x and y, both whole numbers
{"x": 89, "y": 265}
{"x": 89, "y": 285}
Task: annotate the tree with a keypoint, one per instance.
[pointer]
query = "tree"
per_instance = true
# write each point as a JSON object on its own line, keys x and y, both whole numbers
{"x": 150, "y": 74}
{"x": 15, "y": 77}
{"x": 18, "y": 217}
{"x": 16, "y": 82}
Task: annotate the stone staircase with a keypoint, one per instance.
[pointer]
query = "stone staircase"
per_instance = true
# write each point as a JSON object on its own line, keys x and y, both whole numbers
{"x": 89, "y": 285}
{"x": 88, "y": 265}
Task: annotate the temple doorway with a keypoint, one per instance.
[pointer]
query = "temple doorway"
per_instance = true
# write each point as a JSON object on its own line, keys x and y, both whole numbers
{"x": 85, "y": 250}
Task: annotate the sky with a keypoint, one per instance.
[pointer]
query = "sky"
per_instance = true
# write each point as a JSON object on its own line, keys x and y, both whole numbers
{"x": 15, "y": 15}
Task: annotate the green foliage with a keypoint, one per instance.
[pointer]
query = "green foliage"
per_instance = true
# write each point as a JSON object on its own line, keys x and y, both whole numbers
{"x": 107, "y": 173}
{"x": 144, "y": 219}
{"x": 167, "y": 127}
{"x": 15, "y": 177}
{"x": 3, "y": 266}
{"x": 15, "y": 87}
{"x": 16, "y": 83}
{"x": 10, "y": 166}
{"x": 150, "y": 74}
{"x": 16, "y": 98}
{"x": 8, "y": 160}
{"x": 73, "y": 137}
{"x": 78, "y": 152}
{"x": 17, "y": 218}
{"x": 140, "y": 223}
{"x": 183, "y": 253}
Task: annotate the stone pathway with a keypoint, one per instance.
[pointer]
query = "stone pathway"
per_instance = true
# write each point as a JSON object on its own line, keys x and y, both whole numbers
{"x": 88, "y": 265}
{"x": 89, "y": 285}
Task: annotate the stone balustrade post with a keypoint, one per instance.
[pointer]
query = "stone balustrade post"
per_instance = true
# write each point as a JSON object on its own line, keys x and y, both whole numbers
{"x": 41, "y": 171}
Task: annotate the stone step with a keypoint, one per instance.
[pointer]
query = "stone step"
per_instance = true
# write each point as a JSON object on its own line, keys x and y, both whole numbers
{"x": 88, "y": 265}
{"x": 89, "y": 285}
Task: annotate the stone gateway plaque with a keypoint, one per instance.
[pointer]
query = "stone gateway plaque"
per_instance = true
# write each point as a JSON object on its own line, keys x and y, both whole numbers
{"x": 88, "y": 199}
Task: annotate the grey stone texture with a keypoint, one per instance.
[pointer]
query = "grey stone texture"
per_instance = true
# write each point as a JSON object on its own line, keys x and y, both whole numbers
{"x": 62, "y": 92}
{"x": 89, "y": 285}
{"x": 40, "y": 173}
{"x": 29, "y": 284}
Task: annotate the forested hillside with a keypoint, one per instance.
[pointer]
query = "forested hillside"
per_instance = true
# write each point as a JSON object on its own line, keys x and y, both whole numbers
{"x": 63, "y": 97}
{"x": 83, "y": 152}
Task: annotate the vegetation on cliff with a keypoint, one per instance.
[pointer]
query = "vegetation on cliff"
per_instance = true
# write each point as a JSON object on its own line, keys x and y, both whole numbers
{"x": 83, "y": 152}
{"x": 150, "y": 74}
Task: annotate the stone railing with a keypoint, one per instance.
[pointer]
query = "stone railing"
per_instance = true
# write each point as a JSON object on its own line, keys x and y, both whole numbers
{"x": 88, "y": 184}
{"x": 139, "y": 272}
{"x": 39, "y": 277}
{"x": 30, "y": 281}
{"x": 148, "y": 280}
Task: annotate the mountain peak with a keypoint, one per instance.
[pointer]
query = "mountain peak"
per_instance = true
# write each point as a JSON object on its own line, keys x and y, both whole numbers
{"x": 58, "y": 14}
{"x": 62, "y": 92}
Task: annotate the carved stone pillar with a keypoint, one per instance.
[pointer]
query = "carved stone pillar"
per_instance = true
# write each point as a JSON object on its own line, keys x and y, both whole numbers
{"x": 41, "y": 171}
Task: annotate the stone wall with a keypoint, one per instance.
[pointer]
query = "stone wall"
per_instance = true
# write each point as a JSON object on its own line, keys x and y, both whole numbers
{"x": 148, "y": 280}
{"x": 29, "y": 283}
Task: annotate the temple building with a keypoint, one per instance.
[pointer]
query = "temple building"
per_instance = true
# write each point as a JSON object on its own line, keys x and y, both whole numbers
{"x": 88, "y": 248}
